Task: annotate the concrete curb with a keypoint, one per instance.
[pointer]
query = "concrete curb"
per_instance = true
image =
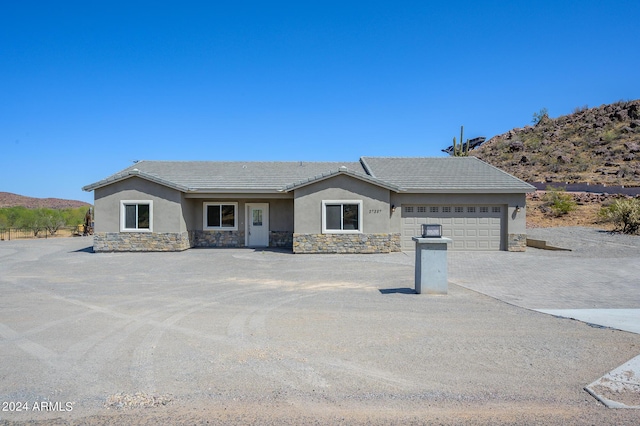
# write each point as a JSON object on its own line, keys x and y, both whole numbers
{"x": 623, "y": 383}
{"x": 541, "y": 244}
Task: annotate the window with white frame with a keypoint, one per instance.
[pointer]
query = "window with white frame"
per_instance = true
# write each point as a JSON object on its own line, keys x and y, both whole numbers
{"x": 342, "y": 216}
{"x": 220, "y": 216}
{"x": 136, "y": 215}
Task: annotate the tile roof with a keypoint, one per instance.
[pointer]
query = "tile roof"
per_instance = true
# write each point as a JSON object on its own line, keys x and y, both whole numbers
{"x": 443, "y": 174}
{"x": 242, "y": 176}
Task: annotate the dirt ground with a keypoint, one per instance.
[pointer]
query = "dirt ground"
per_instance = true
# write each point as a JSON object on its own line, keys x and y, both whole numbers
{"x": 584, "y": 215}
{"x": 266, "y": 337}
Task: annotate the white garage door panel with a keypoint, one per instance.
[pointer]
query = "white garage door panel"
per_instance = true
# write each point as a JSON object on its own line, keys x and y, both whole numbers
{"x": 470, "y": 227}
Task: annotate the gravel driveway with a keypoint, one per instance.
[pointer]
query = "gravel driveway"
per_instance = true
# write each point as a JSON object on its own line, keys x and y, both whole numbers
{"x": 266, "y": 337}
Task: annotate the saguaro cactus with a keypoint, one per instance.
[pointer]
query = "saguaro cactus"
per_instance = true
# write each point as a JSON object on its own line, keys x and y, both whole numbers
{"x": 463, "y": 149}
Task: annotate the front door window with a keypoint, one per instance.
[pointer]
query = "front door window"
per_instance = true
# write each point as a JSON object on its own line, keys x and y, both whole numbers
{"x": 257, "y": 217}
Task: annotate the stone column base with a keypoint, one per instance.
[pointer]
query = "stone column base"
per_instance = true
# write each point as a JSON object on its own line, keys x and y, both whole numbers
{"x": 346, "y": 243}
{"x": 140, "y": 241}
{"x": 218, "y": 238}
{"x": 517, "y": 242}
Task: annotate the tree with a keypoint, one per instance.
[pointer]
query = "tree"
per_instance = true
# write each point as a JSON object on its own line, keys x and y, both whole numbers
{"x": 32, "y": 219}
{"x": 540, "y": 115}
{"x": 52, "y": 220}
{"x": 74, "y": 217}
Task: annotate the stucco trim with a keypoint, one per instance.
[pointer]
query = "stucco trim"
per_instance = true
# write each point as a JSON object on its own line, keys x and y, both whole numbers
{"x": 134, "y": 173}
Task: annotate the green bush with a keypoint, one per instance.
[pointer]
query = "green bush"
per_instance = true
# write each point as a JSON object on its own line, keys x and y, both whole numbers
{"x": 559, "y": 201}
{"x": 624, "y": 214}
{"x": 39, "y": 219}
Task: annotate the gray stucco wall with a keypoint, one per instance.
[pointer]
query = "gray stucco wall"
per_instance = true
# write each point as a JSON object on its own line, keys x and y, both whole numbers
{"x": 168, "y": 229}
{"x": 167, "y": 208}
{"x": 308, "y": 204}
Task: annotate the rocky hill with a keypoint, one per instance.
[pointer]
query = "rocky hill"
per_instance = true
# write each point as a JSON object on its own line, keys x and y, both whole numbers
{"x": 593, "y": 145}
{"x": 8, "y": 199}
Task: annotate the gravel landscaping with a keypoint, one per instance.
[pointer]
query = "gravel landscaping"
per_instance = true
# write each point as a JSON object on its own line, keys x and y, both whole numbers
{"x": 240, "y": 336}
{"x": 589, "y": 242}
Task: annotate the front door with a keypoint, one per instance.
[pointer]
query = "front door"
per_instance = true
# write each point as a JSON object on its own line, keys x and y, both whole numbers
{"x": 257, "y": 224}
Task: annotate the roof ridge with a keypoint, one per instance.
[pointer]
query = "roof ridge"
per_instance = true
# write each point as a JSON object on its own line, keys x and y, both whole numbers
{"x": 335, "y": 172}
{"x": 366, "y": 167}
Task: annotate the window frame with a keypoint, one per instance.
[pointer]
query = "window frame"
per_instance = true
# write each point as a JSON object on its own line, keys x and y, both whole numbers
{"x": 205, "y": 207}
{"x": 326, "y": 203}
{"x": 123, "y": 215}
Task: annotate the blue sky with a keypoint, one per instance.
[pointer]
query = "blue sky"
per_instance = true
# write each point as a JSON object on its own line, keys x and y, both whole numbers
{"x": 88, "y": 87}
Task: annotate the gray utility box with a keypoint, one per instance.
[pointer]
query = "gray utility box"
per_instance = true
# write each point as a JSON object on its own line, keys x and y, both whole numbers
{"x": 431, "y": 265}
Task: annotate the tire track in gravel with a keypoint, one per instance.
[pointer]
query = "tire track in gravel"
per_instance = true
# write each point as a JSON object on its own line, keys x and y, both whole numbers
{"x": 142, "y": 362}
{"x": 249, "y": 329}
{"x": 249, "y": 333}
{"x": 105, "y": 343}
{"x": 369, "y": 372}
{"x": 110, "y": 307}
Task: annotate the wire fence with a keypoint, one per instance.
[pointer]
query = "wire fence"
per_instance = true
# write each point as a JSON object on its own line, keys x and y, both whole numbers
{"x": 8, "y": 234}
{"x": 585, "y": 187}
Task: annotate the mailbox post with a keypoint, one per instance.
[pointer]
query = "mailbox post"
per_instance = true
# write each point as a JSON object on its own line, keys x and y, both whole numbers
{"x": 431, "y": 261}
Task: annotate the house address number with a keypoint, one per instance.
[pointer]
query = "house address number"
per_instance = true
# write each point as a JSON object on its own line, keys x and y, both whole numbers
{"x": 374, "y": 211}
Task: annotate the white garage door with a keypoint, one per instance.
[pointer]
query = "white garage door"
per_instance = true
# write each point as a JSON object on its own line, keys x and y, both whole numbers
{"x": 473, "y": 227}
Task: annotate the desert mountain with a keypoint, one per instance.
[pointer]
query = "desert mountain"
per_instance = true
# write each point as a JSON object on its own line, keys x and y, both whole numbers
{"x": 592, "y": 145}
{"x": 8, "y": 199}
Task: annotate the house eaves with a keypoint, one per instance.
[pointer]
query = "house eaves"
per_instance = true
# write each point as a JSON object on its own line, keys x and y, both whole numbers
{"x": 467, "y": 190}
{"x": 135, "y": 173}
{"x": 341, "y": 171}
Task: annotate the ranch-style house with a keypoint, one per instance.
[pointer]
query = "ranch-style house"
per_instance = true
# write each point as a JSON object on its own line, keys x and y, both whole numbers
{"x": 375, "y": 205}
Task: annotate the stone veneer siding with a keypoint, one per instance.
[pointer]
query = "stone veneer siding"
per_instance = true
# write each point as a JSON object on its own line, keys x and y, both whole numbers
{"x": 517, "y": 242}
{"x": 346, "y": 243}
{"x": 218, "y": 238}
{"x": 281, "y": 239}
{"x": 140, "y": 241}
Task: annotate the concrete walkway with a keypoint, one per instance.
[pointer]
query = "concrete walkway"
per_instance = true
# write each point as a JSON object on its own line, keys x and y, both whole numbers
{"x": 597, "y": 282}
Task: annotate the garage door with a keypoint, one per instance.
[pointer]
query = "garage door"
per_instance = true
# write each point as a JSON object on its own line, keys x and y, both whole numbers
{"x": 473, "y": 227}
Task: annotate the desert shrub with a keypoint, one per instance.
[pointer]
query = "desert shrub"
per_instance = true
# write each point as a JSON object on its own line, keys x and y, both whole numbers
{"x": 608, "y": 136}
{"x": 559, "y": 201}
{"x": 624, "y": 214}
{"x": 534, "y": 143}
